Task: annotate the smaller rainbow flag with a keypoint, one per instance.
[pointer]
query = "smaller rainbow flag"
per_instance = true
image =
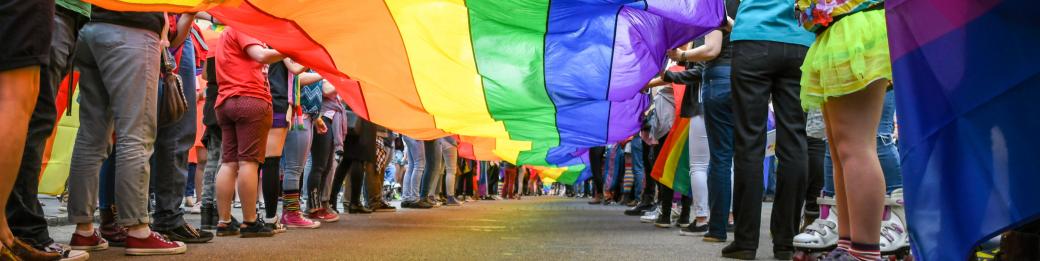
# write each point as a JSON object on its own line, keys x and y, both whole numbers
{"x": 674, "y": 159}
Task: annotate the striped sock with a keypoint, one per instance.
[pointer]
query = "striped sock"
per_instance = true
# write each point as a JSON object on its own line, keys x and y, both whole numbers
{"x": 866, "y": 252}
{"x": 291, "y": 200}
{"x": 844, "y": 243}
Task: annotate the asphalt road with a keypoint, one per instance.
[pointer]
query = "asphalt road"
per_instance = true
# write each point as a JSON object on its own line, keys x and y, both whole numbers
{"x": 535, "y": 228}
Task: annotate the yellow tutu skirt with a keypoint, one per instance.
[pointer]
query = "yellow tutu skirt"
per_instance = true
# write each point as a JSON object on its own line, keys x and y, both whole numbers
{"x": 848, "y": 56}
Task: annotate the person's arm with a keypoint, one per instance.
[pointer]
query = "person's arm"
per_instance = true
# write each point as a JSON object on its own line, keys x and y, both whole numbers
{"x": 184, "y": 24}
{"x": 263, "y": 55}
{"x": 681, "y": 76}
{"x": 207, "y": 16}
{"x": 294, "y": 68}
{"x": 328, "y": 90}
{"x": 656, "y": 81}
{"x": 308, "y": 78}
{"x": 707, "y": 52}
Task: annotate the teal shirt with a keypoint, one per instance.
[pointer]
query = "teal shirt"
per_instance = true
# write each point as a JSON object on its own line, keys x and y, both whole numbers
{"x": 769, "y": 20}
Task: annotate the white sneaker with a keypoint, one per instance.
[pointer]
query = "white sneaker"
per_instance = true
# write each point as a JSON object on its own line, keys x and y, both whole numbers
{"x": 823, "y": 232}
{"x": 651, "y": 216}
{"x": 894, "y": 234}
{"x": 195, "y": 209}
{"x": 189, "y": 201}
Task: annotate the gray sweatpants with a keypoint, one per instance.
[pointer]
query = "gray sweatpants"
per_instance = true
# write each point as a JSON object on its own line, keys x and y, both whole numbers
{"x": 119, "y": 75}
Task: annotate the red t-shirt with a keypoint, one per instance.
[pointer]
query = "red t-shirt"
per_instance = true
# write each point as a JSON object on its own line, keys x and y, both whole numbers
{"x": 237, "y": 73}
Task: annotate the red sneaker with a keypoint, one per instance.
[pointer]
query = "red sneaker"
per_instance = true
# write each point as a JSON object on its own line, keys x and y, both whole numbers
{"x": 92, "y": 243}
{"x": 154, "y": 244}
{"x": 324, "y": 215}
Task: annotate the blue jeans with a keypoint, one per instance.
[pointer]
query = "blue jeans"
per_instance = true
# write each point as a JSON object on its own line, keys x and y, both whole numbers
{"x": 189, "y": 184}
{"x": 887, "y": 152}
{"x": 638, "y": 171}
{"x": 170, "y": 159}
{"x": 718, "y": 115}
{"x": 434, "y": 174}
{"x": 294, "y": 155}
{"x": 106, "y": 191}
{"x": 416, "y": 169}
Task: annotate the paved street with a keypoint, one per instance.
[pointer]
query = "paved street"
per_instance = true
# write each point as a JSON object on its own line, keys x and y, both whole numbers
{"x": 536, "y": 228}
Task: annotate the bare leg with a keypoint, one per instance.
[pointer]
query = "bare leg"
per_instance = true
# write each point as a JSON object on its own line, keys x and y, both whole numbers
{"x": 226, "y": 177}
{"x": 18, "y": 90}
{"x": 275, "y": 142}
{"x": 247, "y": 188}
{"x": 839, "y": 178}
{"x": 860, "y": 185}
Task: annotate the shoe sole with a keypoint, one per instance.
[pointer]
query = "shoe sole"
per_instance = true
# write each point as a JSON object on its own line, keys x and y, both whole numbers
{"x": 690, "y": 234}
{"x": 304, "y": 226}
{"x": 156, "y": 252}
{"x": 386, "y": 210}
{"x": 84, "y": 256}
{"x": 227, "y": 234}
{"x": 742, "y": 255}
{"x": 256, "y": 235}
{"x": 783, "y": 255}
{"x": 189, "y": 240}
{"x": 99, "y": 247}
{"x": 663, "y": 225}
{"x": 713, "y": 240}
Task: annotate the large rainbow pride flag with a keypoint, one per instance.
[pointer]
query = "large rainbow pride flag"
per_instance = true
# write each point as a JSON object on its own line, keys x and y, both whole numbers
{"x": 967, "y": 78}
{"x": 534, "y": 82}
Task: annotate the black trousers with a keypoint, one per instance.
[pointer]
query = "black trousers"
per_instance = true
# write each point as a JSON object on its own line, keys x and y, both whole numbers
{"x": 322, "y": 157}
{"x": 596, "y": 163}
{"x": 764, "y": 71}
{"x": 24, "y": 212}
{"x": 492, "y": 183}
{"x": 649, "y": 183}
{"x": 815, "y": 186}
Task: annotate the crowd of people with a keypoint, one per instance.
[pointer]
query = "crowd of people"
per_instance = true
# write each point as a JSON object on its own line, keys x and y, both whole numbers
{"x": 260, "y": 130}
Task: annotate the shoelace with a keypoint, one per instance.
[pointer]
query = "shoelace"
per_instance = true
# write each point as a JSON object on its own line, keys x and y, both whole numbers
{"x": 161, "y": 237}
{"x": 194, "y": 232}
{"x": 57, "y": 248}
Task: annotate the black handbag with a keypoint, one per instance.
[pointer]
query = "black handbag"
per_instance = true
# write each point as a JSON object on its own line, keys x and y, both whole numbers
{"x": 173, "y": 105}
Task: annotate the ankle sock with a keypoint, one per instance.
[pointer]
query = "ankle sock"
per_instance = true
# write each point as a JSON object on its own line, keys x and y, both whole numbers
{"x": 85, "y": 233}
{"x": 845, "y": 243}
{"x": 291, "y": 200}
{"x": 140, "y": 233}
{"x": 866, "y": 252}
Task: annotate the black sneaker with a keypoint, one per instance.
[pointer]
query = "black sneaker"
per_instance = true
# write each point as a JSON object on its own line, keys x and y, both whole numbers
{"x": 380, "y": 206}
{"x": 684, "y": 222}
{"x": 783, "y": 253}
{"x": 694, "y": 230}
{"x": 415, "y": 204}
{"x": 256, "y": 229}
{"x": 663, "y": 221}
{"x": 640, "y": 209}
{"x": 358, "y": 209}
{"x": 228, "y": 229}
{"x": 429, "y": 202}
{"x": 187, "y": 234}
{"x": 735, "y": 252}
